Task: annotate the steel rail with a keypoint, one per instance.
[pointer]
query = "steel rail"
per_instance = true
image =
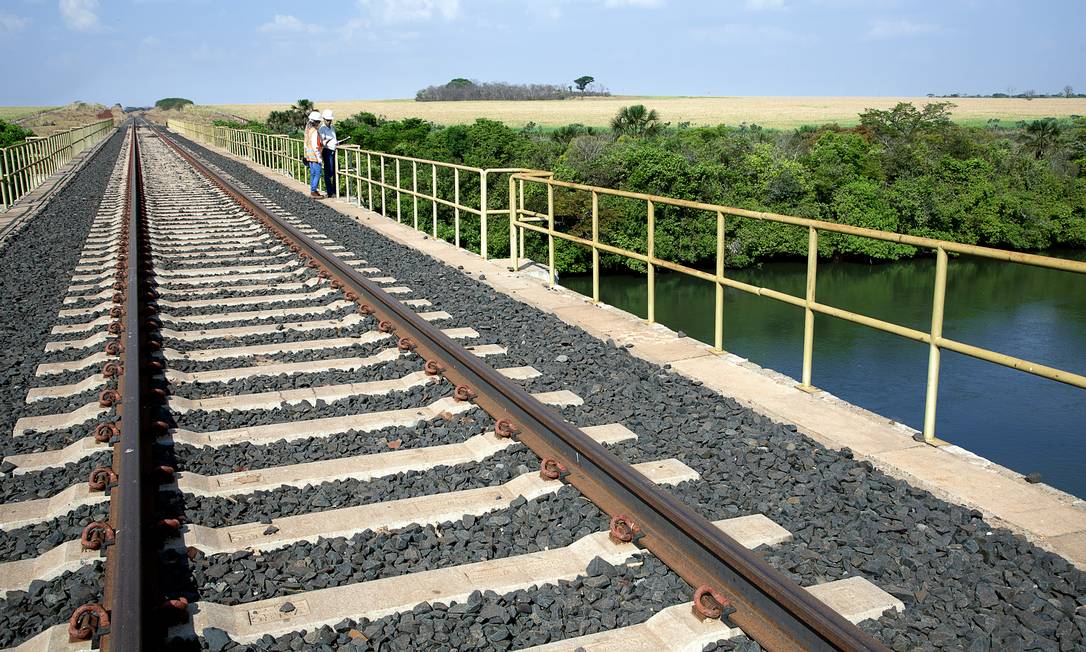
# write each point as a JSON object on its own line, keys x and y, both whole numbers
{"x": 128, "y": 559}
{"x": 770, "y": 607}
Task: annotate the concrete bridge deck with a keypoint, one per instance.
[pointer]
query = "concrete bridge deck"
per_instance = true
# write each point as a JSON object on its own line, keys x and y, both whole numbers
{"x": 1052, "y": 519}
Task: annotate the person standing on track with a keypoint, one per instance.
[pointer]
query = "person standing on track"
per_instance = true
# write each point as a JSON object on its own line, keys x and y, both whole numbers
{"x": 328, "y": 152}
{"x": 313, "y": 152}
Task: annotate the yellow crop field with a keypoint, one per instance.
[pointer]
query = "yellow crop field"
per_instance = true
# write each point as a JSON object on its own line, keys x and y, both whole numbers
{"x": 781, "y": 112}
{"x": 15, "y": 112}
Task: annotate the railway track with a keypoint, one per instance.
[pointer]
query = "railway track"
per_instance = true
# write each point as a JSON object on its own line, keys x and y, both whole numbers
{"x": 275, "y": 435}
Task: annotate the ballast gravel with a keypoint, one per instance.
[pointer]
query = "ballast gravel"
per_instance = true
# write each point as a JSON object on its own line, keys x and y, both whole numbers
{"x": 247, "y": 456}
{"x": 52, "y": 480}
{"x": 606, "y": 597}
{"x": 965, "y": 584}
{"x": 36, "y": 539}
{"x": 203, "y": 421}
{"x": 25, "y": 613}
{"x": 35, "y": 270}
{"x": 220, "y": 511}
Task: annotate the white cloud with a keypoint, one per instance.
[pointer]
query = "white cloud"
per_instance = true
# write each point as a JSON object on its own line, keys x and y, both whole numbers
{"x": 80, "y": 15}
{"x": 10, "y": 24}
{"x": 287, "y": 24}
{"x": 764, "y": 5}
{"x": 885, "y": 29}
{"x": 150, "y": 41}
{"x": 410, "y": 11}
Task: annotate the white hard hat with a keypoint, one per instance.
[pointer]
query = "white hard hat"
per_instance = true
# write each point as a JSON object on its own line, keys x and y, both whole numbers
{"x": 314, "y": 115}
{"x": 328, "y": 114}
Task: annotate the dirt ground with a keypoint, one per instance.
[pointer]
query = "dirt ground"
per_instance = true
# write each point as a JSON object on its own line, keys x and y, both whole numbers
{"x": 52, "y": 120}
{"x": 781, "y": 112}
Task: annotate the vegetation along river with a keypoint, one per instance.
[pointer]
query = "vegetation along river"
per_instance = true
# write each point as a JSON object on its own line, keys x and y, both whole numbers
{"x": 1024, "y": 422}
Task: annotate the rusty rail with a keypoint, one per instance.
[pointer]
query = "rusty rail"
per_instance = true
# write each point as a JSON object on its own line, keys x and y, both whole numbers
{"x": 768, "y": 606}
{"x": 122, "y": 622}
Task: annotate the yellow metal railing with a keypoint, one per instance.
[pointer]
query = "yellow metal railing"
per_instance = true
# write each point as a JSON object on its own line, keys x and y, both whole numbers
{"x": 26, "y": 166}
{"x": 542, "y": 222}
{"x": 375, "y": 179}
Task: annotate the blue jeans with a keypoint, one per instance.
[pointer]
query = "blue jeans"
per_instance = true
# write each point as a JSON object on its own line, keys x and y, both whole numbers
{"x": 314, "y": 175}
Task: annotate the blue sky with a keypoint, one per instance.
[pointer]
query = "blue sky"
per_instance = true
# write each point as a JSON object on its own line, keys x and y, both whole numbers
{"x": 136, "y": 51}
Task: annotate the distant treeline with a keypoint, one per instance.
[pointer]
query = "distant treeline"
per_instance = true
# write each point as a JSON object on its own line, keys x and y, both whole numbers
{"x": 172, "y": 103}
{"x": 466, "y": 89}
{"x": 1067, "y": 92}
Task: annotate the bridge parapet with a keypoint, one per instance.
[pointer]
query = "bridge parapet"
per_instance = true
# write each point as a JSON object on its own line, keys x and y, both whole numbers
{"x": 372, "y": 178}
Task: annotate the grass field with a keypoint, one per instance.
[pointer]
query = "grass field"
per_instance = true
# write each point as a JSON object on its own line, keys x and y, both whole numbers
{"x": 782, "y": 112}
{"x": 15, "y": 112}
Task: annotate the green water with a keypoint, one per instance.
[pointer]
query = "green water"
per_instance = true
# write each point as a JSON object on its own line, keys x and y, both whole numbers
{"x": 1018, "y": 420}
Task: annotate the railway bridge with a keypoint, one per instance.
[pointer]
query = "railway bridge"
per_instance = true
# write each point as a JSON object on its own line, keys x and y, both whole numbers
{"x": 240, "y": 418}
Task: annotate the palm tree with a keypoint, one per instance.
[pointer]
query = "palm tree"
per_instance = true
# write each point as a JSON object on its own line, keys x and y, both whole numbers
{"x": 1041, "y": 135}
{"x": 636, "y": 120}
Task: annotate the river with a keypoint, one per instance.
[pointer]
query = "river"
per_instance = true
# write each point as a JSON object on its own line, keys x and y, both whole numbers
{"x": 1023, "y": 422}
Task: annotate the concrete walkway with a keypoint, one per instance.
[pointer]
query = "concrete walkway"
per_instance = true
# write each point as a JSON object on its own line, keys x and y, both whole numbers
{"x": 1050, "y": 518}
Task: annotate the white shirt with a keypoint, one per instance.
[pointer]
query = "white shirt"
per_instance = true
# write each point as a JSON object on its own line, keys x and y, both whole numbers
{"x": 328, "y": 137}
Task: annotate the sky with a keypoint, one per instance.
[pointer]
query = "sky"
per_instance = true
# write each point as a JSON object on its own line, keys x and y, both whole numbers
{"x": 233, "y": 51}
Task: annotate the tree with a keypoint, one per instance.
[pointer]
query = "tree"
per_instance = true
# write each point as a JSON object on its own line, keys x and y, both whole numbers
{"x": 291, "y": 119}
{"x": 636, "y": 120}
{"x": 903, "y": 123}
{"x": 168, "y": 103}
{"x": 1040, "y": 135}
{"x": 583, "y": 82}
{"x": 11, "y": 133}
{"x": 1068, "y": 91}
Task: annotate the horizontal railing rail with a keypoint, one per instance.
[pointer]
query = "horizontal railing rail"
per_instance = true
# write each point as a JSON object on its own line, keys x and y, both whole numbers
{"x": 25, "y": 166}
{"x": 392, "y": 185}
{"x": 543, "y": 223}
{"x": 377, "y": 180}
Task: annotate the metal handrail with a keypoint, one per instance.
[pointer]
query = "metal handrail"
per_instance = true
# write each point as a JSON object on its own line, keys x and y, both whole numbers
{"x": 770, "y": 607}
{"x": 25, "y": 166}
{"x": 525, "y": 220}
{"x": 355, "y": 170}
{"x": 521, "y": 220}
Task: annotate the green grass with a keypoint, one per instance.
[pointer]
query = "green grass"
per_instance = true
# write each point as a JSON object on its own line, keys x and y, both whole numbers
{"x": 15, "y": 112}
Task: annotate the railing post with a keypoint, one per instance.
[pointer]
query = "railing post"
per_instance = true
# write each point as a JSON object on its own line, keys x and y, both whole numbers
{"x": 937, "y": 302}
{"x": 433, "y": 190}
{"x": 513, "y": 260}
{"x": 482, "y": 215}
{"x": 335, "y": 171}
{"x": 369, "y": 179}
{"x": 651, "y": 250}
{"x": 520, "y": 202}
{"x": 550, "y": 232}
{"x": 383, "y": 188}
{"x": 415, "y": 194}
{"x": 595, "y": 247}
{"x": 398, "y": 202}
{"x": 456, "y": 206}
{"x": 808, "y": 310}
{"x": 718, "y": 314}
{"x": 4, "y": 178}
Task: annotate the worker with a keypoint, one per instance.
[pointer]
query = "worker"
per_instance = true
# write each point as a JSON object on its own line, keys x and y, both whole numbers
{"x": 328, "y": 152}
{"x": 313, "y": 152}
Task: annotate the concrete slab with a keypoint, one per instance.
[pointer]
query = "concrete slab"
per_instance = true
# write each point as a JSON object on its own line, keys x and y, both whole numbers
{"x": 856, "y": 598}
